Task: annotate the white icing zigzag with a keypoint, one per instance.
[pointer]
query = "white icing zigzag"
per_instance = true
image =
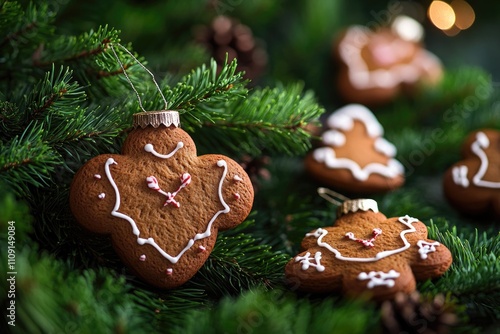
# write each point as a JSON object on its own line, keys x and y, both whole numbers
{"x": 379, "y": 278}
{"x": 460, "y": 172}
{"x": 306, "y": 261}
{"x": 343, "y": 119}
{"x": 142, "y": 241}
{"x": 406, "y": 220}
{"x": 425, "y": 247}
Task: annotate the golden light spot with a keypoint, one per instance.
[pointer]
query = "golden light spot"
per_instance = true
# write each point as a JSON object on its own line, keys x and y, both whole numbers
{"x": 441, "y": 15}
{"x": 464, "y": 13}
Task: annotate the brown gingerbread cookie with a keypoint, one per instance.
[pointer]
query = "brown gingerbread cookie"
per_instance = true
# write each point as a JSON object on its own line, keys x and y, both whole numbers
{"x": 355, "y": 157}
{"x": 472, "y": 185}
{"x": 161, "y": 204}
{"x": 377, "y": 65}
{"x": 367, "y": 253}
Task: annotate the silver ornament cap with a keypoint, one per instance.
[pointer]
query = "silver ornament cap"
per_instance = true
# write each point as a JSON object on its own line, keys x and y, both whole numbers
{"x": 157, "y": 118}
{"x": 355, "y": 205}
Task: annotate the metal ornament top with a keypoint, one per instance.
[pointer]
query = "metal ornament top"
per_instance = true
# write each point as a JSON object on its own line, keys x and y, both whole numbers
{"x": 157, "y": 118}
{"x": 355, "y": 205}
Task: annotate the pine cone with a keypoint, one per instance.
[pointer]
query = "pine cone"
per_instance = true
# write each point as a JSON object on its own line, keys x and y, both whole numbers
{"x": 227, "y": 35}
{"x": 414, "y": 314}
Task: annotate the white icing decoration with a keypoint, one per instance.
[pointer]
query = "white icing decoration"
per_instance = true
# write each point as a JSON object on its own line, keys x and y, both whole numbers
{"x": 153, "y": 184}
{"x": 201, "y": 248}
{"x": 361, "y": 77}
{"x": 142, "y": 257}
{"x": 169, "y": 271}
{"x": 365, "y": 242}
{"x": 236, "y": 196}
{"x": 150, "y": 148}
{"x": 460, "y": 172}
{"x": 343, "y": 119}
{"x": 151, "y": 241}
{"x": 385, "y": 147}
{"x": 379, "y": 278}
{"x": 97, "y": 176}
{"x": 306, "y": 261}
{"x": 425, "y": 247}
{"x": 334, "y": 138}
{"x": 102, "y": 195}
{"x": 406, "y": 220}
{"x": 237, "y": 178}
{"x": 327, "y": 156}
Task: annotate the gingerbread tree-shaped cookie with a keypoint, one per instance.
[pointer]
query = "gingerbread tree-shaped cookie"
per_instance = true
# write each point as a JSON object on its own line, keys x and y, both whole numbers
{"x": 367, "y": 253}
{"x": 355, "y": 157}
{"x": 161, "y": 204}
{"x": 472, "y": 185}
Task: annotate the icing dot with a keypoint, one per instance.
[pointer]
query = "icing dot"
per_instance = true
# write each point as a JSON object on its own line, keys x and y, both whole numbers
{"x": 97, "y": 176}
{"x": 237, "y": 178}
{"x": 221, "y": 163}
{"x": 102, "y": 195}
{"x": 142, "y": 257}
{"x": 148, "y": 148}
{"x": 237, "y": 196}
{"x": 201, "y": 249}
{"x": 169, "y": 271}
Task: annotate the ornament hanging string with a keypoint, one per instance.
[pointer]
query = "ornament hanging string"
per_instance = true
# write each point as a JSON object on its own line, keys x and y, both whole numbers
{"x": 332, "y": 196}
{"x": 130, "y": 81}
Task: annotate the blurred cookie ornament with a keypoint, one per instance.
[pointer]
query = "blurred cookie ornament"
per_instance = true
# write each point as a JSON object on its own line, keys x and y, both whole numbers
{"x": 472, "y": 185}
{"x": 378, "y": 65}
{"x": 366, "y": 253}
{"x": 161, "y": 204}
{"x": 354, "y": 156}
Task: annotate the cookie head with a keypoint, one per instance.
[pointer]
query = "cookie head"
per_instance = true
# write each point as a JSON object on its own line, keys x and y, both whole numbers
{"x": 472, "y": 185}
{"x": 378, "y": 65}
{"x": 355, "y": 157}
{"x": 161, "y": 204}
{"x": 366, "y": 253}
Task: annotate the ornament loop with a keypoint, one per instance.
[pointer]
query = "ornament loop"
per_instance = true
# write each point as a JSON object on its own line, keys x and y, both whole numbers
{"x": 332, "y": 196}
{"x": 345, "y": 204}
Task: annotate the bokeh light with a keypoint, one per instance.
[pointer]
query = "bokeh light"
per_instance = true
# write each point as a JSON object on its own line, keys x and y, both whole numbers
{"x": 441, "y": 15}
{"x": 464, "y": 13}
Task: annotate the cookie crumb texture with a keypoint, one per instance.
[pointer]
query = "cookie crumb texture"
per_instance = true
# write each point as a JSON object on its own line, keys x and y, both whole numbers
{"x": 163, "y": 205}
{"x": 365, "y": 253}
{"x": 472, "y": 185}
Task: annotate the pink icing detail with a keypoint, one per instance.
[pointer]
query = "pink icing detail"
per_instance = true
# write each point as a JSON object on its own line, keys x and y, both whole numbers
{"x": 201, "y": 249}
{"x": 142, "y": 257}
{"x": 153, "y": 184}
{"x": 97, "y": 176}
{"x": 169, "y": 271}
{"x": 379, "y": 278}
{"x": 405, "y": 220}
{"x": 237, "y": 196}
{"x": 367, "y": 243}
{"x": 102, "y": 195}
{"x": 237, "y": 178}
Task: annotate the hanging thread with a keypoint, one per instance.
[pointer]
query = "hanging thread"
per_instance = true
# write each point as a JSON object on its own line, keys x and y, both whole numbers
{"x": 332, "y": 196}
{"x": 130, "y": 81}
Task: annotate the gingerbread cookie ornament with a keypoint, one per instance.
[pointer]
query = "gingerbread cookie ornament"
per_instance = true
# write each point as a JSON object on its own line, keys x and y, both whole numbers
{"x": 378, "y": 65}
{"x": 161, "y": 204}
{"x": 366, "y": 253}
{"x": 355, "y": 156}
{"x": 472, "y": 185}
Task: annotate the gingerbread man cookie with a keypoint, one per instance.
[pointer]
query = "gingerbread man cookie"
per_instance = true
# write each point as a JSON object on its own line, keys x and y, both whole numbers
{"x": 161, "y": 204}
{"x": 472, "y": 185}
{"x": 367, "y": 253}
{"x": 355, "y": 158}
{"x": 378, "y": 65}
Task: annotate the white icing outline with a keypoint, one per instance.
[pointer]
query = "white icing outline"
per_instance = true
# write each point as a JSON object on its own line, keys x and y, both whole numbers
{"x": 406, "y": 220}
{"x": 425, "y": 247}
{"x": 150, "y": 241}
{"x": 343, "y": 119}
{"x": 327, "y": 156}
{"x": 460, "y": 172}
{"x": 379, "y": 278}
{"x": 150, "y": 148}
{"x": 306, "y": 261}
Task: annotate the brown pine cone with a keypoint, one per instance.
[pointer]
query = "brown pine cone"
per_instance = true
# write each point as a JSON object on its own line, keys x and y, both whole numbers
{"x": 415, "y": 314}
{"x": 227, "y": 36}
